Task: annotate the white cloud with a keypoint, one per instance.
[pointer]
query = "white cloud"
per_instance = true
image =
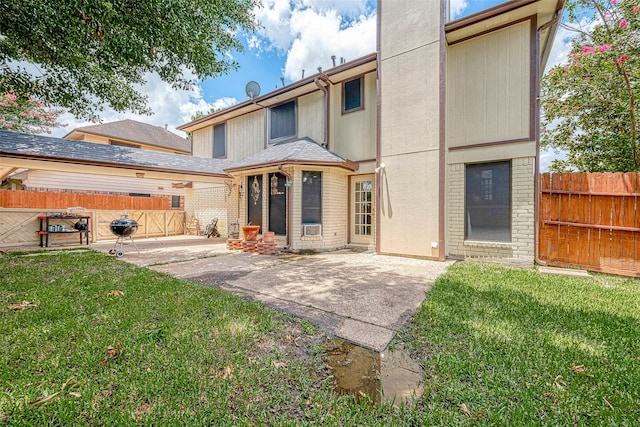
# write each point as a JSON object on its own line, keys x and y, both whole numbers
{"x": 311, "y": 31}
{"x": 274, "y": 17}
{"x": 170, "y": 107}
{"x": 321, "y": 35}
{"x": 456, "y": 7}
{"x": 277, "y": 19}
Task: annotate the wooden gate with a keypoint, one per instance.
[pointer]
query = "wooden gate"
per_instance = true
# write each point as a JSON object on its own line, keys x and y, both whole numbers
{"x": 590, "y": 220}
{"x": 150, "y": 223}
{"x": 19, "y": 227}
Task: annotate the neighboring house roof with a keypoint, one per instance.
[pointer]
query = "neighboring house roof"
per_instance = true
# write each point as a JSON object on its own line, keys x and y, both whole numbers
{"x": 300, "y": 151}
{"x": 136, "y": 132}
{"x": 45, "y": 148}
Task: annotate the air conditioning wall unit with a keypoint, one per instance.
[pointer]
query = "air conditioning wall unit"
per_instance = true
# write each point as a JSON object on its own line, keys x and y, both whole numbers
{"x": 311, "y": 229}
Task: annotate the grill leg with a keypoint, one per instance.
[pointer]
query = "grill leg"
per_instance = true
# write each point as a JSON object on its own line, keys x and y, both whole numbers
{"x": 134, "y": 243}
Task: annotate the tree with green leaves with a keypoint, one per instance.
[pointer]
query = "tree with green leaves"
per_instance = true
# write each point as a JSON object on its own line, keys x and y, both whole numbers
{"x": 83, "y": 54}
{"x": 590, "y": 103}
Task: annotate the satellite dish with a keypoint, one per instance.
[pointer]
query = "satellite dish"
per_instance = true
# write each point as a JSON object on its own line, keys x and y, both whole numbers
{"x": 252, "y": 89}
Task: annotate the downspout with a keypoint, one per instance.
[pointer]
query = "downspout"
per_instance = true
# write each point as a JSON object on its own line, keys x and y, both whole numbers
{"x": 536, "y": 172}
{"x": 322, "y": 81}
{"x": 378, "y": 179}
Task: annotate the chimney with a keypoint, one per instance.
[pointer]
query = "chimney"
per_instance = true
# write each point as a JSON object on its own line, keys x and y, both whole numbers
{"x": 333, "y": 59}
{"x": 282, "y": 80}
{"x": 319, "y": 69}
{"x": 166, "y": 126}
{"x": 303, "y": 73}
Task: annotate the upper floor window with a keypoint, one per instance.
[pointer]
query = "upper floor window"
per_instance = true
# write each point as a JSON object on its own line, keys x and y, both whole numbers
{"x": 283, "y": 121}
{"x": 352, "y": 96}
{"x": 220, "y": 141}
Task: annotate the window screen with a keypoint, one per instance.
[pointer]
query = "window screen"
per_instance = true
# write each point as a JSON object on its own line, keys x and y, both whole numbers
{"x": 283, "y": 121}
{"x": 220, "y": 141}
{"x": 352, "y": 95}
{"x": 312, "y": 197}
{"x": 488, "y": 202}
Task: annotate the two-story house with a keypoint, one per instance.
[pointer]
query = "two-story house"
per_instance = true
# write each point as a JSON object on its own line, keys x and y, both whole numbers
{"x": 428, "y": 147}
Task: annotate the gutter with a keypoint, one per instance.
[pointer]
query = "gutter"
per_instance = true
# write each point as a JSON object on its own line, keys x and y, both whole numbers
{"x": 298, "y": 84}
{"x": 552, "y": 25}
{"x": 322, "y": 81}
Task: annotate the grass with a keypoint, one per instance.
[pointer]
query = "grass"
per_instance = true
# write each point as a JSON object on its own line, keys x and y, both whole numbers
{"x": 90, "y": 340}
{"x": 519, "y": 348}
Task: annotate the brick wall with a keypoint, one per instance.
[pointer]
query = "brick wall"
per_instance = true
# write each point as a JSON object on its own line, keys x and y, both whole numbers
{"x": 207, "y": 204}
{"x": 521, "y": 248}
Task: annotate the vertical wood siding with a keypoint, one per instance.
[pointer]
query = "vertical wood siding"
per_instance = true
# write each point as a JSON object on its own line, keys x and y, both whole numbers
{"x": 591, "y": 221}
{"x": 52, "y": 200}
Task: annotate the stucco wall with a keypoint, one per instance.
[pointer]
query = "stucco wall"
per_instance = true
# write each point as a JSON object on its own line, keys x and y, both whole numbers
{"x": 353, "y": 135}
{"x": 409, "y": 126}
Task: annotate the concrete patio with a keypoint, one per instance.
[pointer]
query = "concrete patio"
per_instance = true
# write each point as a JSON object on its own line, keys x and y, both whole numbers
{"x": 358, "y": 296}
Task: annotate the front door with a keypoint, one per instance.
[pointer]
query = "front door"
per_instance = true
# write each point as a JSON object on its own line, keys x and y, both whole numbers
{"x": 277, "y": 204}
{"x": 254, "y": 200}
{"x": 362, "y": 209}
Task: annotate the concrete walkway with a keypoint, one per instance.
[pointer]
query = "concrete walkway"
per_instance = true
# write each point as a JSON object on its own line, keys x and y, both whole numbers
{"x": 358, "y": 296}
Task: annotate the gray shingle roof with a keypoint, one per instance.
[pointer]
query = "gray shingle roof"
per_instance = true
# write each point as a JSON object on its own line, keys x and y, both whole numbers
{"x": 302, "y": 151}
{"x": 38, "y": 147}
{"x": 135, "y": 131}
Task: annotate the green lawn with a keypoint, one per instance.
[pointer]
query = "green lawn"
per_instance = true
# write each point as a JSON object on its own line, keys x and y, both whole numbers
{"x": 90, "y": 340}
{"x": 520, "y": 348}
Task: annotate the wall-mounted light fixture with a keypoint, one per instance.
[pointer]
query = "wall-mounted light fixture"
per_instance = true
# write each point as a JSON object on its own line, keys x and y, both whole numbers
{"x": 379, "y": 168}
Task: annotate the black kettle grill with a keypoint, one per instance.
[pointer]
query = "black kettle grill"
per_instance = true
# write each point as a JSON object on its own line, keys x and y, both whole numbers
{"x": 123, "y": 227}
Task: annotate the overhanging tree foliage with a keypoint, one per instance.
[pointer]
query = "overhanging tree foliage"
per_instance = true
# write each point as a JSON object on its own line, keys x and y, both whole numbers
{"x": 83, "y": 54}
{"x": 590, "y": 104}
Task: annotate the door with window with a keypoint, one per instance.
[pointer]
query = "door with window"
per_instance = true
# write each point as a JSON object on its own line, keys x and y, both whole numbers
{"x": 254, "y": 201}
{"x": 362, "y": 210}
{"x": 277, "y": 204}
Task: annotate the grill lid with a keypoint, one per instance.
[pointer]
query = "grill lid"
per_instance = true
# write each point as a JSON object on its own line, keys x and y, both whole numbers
{"x": 124, "y": 226}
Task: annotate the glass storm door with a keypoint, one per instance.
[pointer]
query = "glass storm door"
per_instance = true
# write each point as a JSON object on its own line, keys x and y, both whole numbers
{"x": 254, "y": 200}
{"x": 277, "y": 204}
{"x": 362, "y": 210}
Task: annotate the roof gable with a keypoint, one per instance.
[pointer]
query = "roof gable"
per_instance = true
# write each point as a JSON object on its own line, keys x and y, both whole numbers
{"x": 137, "y": 132}
{"x": 300, "y": 151}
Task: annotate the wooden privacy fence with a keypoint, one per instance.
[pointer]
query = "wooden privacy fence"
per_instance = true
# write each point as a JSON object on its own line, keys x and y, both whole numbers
{"x": 19, "y": 227}
{"x": 591, "y": 220}
{"x": 53, "y": 200}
